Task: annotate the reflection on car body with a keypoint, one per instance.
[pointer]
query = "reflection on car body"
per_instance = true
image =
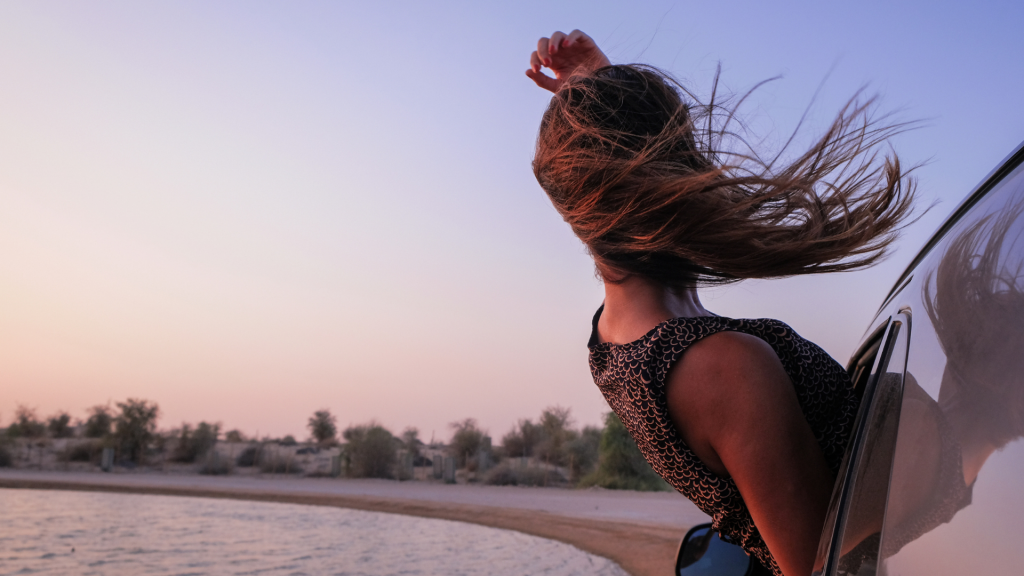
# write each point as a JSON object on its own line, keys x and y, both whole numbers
{"x": 931, "y": 482}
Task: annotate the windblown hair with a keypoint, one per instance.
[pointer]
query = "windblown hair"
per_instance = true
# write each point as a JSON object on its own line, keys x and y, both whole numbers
{"x": 641, "y": 172}
{"x": 977, "y": 310}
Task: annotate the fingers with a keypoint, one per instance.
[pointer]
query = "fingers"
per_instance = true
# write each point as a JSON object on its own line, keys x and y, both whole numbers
{"x": 555, "y": 42}
{"x": 535, "y": 62}
{"x": 575, "y": 37}
{"x": 544, "y": 81}
{"x": 542, "y": 51}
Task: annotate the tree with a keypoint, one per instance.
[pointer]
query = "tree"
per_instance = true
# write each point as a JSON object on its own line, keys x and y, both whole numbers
{"x": 466, "y": 440}
{"x": 135, "y": 427}
{"x": 522, "y": 439}
{"x": 99, "y": 422}
{"x": 234, "y": 436}
{"x": 582, "y": 451}
{"x": 555, "y": 432}
{"x": 193, "y": 444}
{"x": 26, "y": 424}
{"x": 323, "y": 426}
{"x": 370, "y": 450}
{"x": 411, "y": 441}
{"x": 59, "y": 425}
{"x": 620, "y": 464}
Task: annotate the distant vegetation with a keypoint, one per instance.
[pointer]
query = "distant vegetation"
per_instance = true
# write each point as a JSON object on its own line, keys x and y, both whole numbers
{"x": 548, "y": 451}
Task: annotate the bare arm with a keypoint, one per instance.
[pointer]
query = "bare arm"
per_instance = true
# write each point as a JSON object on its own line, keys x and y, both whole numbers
{"x": 736, "y": 408}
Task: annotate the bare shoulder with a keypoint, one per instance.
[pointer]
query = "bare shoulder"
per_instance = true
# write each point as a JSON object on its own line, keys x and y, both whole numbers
{"x": 721, "y": 385}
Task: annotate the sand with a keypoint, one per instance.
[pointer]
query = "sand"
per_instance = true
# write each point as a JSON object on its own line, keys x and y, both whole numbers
{"x": 638, "y": 530}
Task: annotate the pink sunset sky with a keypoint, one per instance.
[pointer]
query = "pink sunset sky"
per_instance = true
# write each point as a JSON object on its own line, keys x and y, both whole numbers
{"x": 248, "y": 211}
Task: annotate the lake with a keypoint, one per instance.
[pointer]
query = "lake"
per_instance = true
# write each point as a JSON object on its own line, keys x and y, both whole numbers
{"x": 93, "y": 533}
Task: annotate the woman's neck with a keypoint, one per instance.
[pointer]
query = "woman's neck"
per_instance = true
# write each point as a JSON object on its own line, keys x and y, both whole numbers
{"x": 635, "y": 305}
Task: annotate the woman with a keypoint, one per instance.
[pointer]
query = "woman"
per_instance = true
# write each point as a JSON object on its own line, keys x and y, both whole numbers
{"x": 744, "y": 417}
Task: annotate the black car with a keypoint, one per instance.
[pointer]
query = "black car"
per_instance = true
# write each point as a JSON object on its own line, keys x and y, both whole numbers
{"x": 933, "y": 479}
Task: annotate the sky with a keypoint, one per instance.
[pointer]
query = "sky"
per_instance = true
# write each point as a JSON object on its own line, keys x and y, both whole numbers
{"x": 248, "y": 211}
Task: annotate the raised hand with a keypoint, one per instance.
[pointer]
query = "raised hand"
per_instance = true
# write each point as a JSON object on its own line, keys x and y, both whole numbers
{"x": 564, "y": 55}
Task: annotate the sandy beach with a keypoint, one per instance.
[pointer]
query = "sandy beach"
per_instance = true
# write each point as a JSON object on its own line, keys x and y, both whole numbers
{"x": 638, "y": 530}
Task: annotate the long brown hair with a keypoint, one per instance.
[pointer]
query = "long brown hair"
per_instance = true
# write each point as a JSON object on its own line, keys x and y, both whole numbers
{"x": 645, "y": 180}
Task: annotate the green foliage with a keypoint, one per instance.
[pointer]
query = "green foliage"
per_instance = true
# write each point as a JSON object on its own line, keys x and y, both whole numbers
{"x": 59, "y": 425}
{"x": 411, "y": 441}
{"x": 248, "y": 457}
{"x": 25, "y": 424}
{"x": 99, "y": 422}
{"x": 620, "y": 465}
{"x": 467, "y": 440}
{"x": 511, "y": 473}
{"x": 582, "y": 451}
{"x": 192, "y": 444}
{"x": 135, "y": 427}
{"x": 554, "y": 427}
{"x": 323, "y": 426}
{"x": 83, "y": 452}
{"x": 370, "y": 450}
{"x": 215, "y": 465}
{"x": 6, "y": 459}
{"x": 522, "y": 439}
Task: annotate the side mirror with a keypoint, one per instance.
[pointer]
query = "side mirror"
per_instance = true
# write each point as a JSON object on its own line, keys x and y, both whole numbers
{"x": 704, "y": 553}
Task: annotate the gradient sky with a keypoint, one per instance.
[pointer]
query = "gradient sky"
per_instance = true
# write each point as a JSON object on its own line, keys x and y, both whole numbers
{"x": 247, "y": 211}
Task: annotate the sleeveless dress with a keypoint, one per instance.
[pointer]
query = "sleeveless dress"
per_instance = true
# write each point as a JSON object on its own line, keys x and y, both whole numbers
{"x": 632, "y": 378}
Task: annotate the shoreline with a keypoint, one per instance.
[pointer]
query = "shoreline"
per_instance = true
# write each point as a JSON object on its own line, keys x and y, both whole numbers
{"x": 575, "y": 517}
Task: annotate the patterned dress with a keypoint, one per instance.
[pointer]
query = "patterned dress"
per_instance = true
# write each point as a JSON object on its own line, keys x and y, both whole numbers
{"x": 632, "y": 378}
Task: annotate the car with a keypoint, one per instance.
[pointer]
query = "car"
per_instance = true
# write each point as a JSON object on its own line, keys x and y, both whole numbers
{"x": 933, "y": 479}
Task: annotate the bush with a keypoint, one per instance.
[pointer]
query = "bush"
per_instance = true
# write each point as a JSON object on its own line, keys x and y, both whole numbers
{"x": 620, "y": 465}
{"x": 370, "y": 450}
{"x": 522, "y": 439}
{"x": 234, "y": 436}
{"x": 60, "y": 425}
{"x": 83, "y": 452}
{"x": 216, "y": 465}
{"x": 25, "y": 424}
{"x": 512, "y": 473}
{"x": 323, "y": 426}
{"x": 277, "y": 464}
{"x": 6, "y": 459}
{"x": 288, "y": 440}
{"x": 466, "y": 442}
{"x": 248, "y": 457}
{"x": 192, "y": 444}
{"x": 135, "y": 427}
{"x": 583, "y": 450}
{"x": 99, "y": 422}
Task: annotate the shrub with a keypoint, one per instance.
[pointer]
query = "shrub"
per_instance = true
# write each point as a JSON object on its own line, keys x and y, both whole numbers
{"x": 620, "y": 465}
{"x": 25, "y": 424}
{"x": 370, "y": 451}
{"x": 277, "y": 464}
{"x": 234, "y": 436}
{"x": 288, "y": 440}
{"x": 512, "y": 473}
{"x": 192, "y": 444}
{"x": 99, "y": 422}
{"x": 216, "y": 465}
{"x": 522, "y": 439}
{"x": 59, "y": 425}
{"x": 466, "y": 442}
{"x": 135, "y": 427}
{"x": 83, "y": 452}
{"x": 248, "y": 457}
{"x": 583, "y": 450}
{"x": 323, "y": 426}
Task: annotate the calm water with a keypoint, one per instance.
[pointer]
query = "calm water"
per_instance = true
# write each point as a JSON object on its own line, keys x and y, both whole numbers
{"x": 57, "y": 532}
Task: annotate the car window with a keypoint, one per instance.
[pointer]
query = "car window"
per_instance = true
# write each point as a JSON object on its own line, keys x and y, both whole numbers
{"x": 955, "y": 502}
{"x": 851, "y": 541}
